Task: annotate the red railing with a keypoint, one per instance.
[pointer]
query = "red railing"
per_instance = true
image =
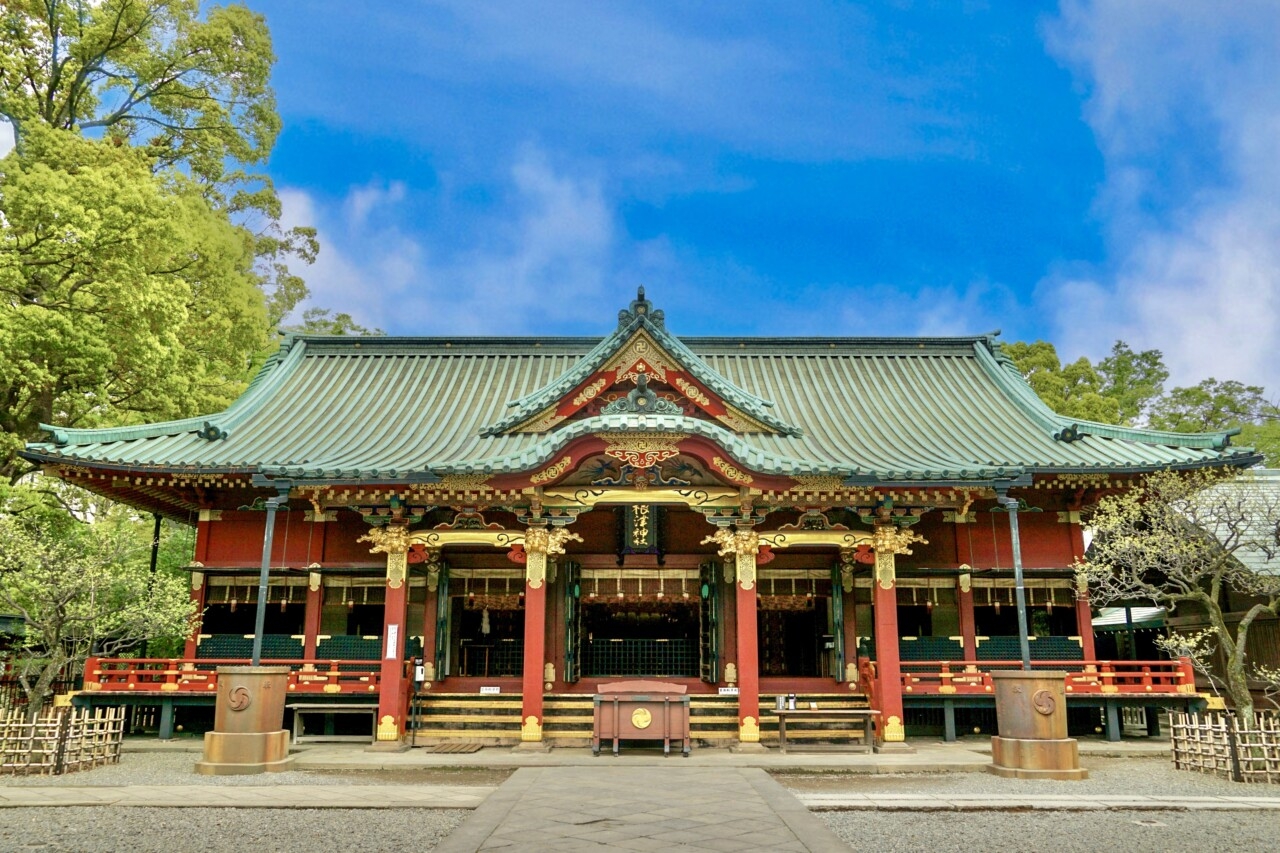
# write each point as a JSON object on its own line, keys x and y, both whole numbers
{"x": 199, "y": 675}
{"x": 1129, "y": 677}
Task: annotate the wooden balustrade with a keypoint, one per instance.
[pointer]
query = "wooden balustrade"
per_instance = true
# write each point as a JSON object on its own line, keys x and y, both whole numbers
{"x": 1163, "y": 677}
{"x": 199, "y": 675}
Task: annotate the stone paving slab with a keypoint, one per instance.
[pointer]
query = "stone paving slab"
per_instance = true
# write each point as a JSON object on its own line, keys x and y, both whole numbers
{"x": 1046, "y": 802}
{"x": 613, "y": 806}
{"x": 252, "y": 796}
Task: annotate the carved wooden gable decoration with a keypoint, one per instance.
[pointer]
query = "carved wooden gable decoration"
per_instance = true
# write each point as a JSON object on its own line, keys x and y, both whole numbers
{"x": 642, "y": 369}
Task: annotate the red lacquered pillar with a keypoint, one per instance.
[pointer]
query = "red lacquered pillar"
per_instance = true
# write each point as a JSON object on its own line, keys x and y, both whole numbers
{"x": 748, "y": 651}
{"x": 197, "y": 596}
{"x": 968, "y": 620}
{"x": 311, "y": 617}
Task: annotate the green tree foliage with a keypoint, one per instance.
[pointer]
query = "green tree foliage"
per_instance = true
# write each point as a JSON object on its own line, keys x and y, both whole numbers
{"x": 1180, "y": 539}
{"x": 142, "y": 265}
{"x": 1127, "y": 388}
{"x": 322, "y": 321}
{"x": 81, "y": 587}
{"x": 120, "y": 294}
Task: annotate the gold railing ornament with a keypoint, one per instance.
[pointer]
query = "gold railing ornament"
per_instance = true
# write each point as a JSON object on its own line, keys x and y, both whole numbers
{"x": 743, "y": 546}
{"x": 540, "y": 543}
{"x": 392, "y": 540}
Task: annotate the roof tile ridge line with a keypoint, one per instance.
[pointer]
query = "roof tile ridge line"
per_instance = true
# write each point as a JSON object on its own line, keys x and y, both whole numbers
{"x": 752, "y": 404}
{"x": 757, "y": 407}
{"x": 543, "y": 450}
{"x": 521, "y": 407}
{"x": 262, "y": 387}
{"x": 63, "y": 436}
{"x": 1003, "y": 372}
{"x": 1027, "y": 399}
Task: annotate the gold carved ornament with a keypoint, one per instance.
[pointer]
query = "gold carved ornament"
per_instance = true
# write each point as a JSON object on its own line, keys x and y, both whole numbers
{"x": 641, "y": 718}
{"x": 531, "y": 730}
{"x": 387, "y": 729}
{"x": 749, "y": 730}
{"x": 550, "y": 473}
{"x": 894, "y": 731}
{"x": 540, "y": 543}
{"x": 888, "y": 540}
{"x": 589, "y": 393}
{"x": 691, "y": 391}
{"x": 642, "y": 449}
{"x": 733, "y": 473}
{"x": 392, "y": 540}
{"x": 743, "y": 545}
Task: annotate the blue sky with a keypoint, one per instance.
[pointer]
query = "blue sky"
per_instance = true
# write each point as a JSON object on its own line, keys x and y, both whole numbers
{"x": 1077, "y": 172}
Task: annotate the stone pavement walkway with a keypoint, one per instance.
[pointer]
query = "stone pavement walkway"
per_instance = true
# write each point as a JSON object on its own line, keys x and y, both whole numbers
{"x": 565, "y": 809}
{"x": 264, "y": 796}
{"x": 1039, "y": 802}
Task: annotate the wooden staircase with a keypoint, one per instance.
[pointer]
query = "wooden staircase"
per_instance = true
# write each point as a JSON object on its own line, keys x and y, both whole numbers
{"x": 713, "y": 720}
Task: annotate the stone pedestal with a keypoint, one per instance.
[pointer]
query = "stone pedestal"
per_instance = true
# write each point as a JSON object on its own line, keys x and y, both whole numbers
{"x": 1031, "y": 715}
{"x": 248, "y": 726}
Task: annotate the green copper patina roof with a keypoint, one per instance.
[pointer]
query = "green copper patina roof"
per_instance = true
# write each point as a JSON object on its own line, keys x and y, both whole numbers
{"x": 867, "y": 409}
{"x": 640, "y": 315}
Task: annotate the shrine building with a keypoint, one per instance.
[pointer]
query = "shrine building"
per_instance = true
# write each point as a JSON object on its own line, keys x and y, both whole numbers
{"x": 531, "y": 517}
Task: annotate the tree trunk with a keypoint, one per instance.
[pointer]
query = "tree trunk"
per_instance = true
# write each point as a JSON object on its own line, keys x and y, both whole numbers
{"x": 43, "y": 684}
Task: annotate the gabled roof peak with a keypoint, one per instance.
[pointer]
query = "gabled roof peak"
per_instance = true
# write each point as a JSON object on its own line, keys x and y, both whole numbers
{"x": 640, "y": 307}
{"x": 641, "y": 351}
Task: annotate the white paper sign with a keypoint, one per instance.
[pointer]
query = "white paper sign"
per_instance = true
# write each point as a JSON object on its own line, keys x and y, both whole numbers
{"x": 393, "y": 642}
{"x": 728, "y": 691}
{"x": 490, "y": 691}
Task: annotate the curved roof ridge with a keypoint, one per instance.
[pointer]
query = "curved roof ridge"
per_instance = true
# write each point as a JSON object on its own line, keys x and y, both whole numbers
{"x": 1002, "y": 369}
{"x": 269, "y": 377}
{"x": 640, "y": 316}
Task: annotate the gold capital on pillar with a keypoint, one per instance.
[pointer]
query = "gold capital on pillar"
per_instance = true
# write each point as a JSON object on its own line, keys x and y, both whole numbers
{"x": 392, "y": 540}
{"x": 539, "y": 543}
{"x": 888, "y": 541}
{"x": 743, "y": 545}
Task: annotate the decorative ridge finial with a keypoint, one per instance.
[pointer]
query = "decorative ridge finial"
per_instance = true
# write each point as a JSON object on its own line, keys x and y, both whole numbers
{"x": 640, "y": 307}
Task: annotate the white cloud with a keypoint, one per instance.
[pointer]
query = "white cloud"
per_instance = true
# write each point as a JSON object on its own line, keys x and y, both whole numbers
{"x": 545, "y": 262}
{"x": 1187, "y": 114}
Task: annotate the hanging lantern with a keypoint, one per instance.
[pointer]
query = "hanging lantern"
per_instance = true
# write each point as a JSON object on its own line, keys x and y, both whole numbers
{"x": 928, "y": 599}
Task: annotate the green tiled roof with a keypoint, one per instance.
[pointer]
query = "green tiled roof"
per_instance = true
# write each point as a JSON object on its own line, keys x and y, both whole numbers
{"x": 872, "y": 409}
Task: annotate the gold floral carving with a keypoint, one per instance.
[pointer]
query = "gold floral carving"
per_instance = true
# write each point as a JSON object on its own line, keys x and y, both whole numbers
{"x": 541, "y": 422}
{"x": 888, "y": 541}
{"x": 733, "y": 474}
{"x": 392, "y": 540}
{"x": 894, "y": 732}
{"x": 731, "y": 673}
{"x": 691, "y": 391}
{"x": 738, "y": 422}
{"x": 550, "y": 473}
{"x": 749, "y": 730}
{"x": 460, "y": 483}
{"x": 589, "y": 393}
{"x": 743, "y": 545}
{"x": 539, "y": 543}
{"x": 642, "y": 449}
{"x": 387, "y": 729}
{"x": 531, "y": 730}
{"x": 641, "y": 355}
{"x": 818, "y": 484}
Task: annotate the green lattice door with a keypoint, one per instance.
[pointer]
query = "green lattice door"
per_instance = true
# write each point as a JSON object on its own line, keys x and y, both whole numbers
{"x": 572, "y": 622}
{"x": 709, "y": 622}
{"x": 443, "y": 609}
{"x": 837, "y": 624}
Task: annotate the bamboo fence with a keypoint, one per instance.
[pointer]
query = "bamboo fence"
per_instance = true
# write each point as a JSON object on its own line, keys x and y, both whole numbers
{"x": 1215, "y": 744}
{"x": 59, "y": 741}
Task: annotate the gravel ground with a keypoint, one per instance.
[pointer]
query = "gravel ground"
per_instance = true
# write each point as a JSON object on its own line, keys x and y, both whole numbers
{"x": 142, "y": 830}
{"x": 176, "y": 768}
{"x": 1107, "y": 776}
{"x": 1060, "y": 832}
